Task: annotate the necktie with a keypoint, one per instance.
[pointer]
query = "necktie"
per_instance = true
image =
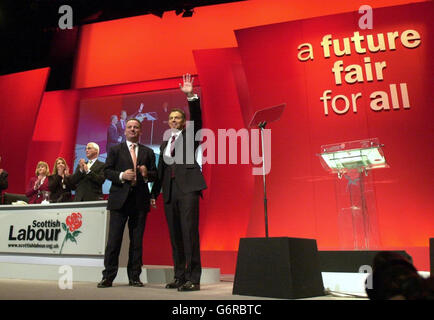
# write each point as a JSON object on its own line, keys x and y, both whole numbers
{"x": 172, "y": 154}
{"x": 134, "y": 157}
{"x": 172, "y": 146}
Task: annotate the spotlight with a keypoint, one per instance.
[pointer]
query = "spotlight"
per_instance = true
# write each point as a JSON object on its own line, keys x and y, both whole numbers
{"x": 157, "y": 13}
{"x": 188, "y": 13}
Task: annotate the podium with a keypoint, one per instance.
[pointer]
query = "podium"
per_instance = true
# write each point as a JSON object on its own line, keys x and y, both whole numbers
{"x": 260, "y": 119}
{"x": 351, "y": 162}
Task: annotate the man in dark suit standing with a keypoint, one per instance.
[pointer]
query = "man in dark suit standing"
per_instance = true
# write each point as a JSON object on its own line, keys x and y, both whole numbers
{"x": 113, "y": 137}
{"x": 129, "y": 166}
{"x": 182, "y": 181}
{"x": 121, "y": 125}
{"x": 88, "y": 178}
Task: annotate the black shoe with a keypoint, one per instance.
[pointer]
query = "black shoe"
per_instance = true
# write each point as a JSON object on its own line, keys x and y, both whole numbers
{"x": 136, "y": 283}
{"x": 175, "y": 284}
{"x": 105, "y": 283}
{"x": 189, "y": 286}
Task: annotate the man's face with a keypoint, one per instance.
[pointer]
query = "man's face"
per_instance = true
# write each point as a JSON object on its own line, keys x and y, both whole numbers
{"x": 115, "y": 119}
{"x": 91, "y": 152}
{"x": 176, "y": 121}
{"x": 123, "y": 115}
{"x": 132, "y": 131}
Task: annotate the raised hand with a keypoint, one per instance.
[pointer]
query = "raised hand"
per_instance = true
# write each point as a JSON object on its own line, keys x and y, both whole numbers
{"x": 187, "y": 85}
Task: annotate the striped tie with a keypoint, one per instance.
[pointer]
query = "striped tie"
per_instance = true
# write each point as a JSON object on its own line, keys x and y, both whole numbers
{"x": 172, "y": 146}
{"x": 134, "y": 157}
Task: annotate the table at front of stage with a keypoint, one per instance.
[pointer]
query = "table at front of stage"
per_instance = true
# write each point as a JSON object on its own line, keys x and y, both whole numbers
{"x": 36, "y": 241}
{"x": 76, "y": 228}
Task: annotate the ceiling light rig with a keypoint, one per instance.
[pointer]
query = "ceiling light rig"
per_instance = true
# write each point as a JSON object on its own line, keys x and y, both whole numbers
{"x": 157, "y": 13}
{"x": 186, "y": 12}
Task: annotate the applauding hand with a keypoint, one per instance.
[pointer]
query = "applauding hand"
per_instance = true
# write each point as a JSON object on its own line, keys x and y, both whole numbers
{"x": 128, "y": 175}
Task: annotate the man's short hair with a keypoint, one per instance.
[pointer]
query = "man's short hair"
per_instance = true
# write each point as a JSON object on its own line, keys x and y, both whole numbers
{"x": 94, "y": 145}
{"x": 131, "y": 119}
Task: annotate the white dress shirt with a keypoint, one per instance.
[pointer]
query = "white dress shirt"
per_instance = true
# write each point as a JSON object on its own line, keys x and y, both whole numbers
{"x": 129, "y": 143}
{"x": 176, "y": 133}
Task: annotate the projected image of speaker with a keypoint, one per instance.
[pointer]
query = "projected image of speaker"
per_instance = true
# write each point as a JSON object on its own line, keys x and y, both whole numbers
{"x": 280, "y": 267}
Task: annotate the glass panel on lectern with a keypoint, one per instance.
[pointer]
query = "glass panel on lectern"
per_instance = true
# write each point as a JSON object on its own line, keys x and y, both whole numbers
{"x": 357, "y": 220}
{"x": 360, "y": 154}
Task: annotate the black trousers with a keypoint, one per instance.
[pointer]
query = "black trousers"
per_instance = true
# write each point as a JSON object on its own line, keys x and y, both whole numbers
{"x": 136, "y": 225}
{"x": 182, "y": 214}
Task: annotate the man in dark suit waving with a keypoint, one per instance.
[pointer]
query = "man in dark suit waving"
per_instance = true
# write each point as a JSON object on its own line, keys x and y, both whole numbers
{"x": 129, "y": 166}
{"x": 181, "y": 179}
{"x": 88, "y": 178}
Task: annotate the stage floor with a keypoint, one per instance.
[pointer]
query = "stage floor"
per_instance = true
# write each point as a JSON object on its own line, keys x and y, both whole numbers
{"x": 13, "y": 289}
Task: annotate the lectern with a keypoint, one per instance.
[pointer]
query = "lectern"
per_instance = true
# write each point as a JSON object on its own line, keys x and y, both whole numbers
{"x": 351, "y": 162}
{"x": 278, "y": 267}
{"x": 260, "y": 119}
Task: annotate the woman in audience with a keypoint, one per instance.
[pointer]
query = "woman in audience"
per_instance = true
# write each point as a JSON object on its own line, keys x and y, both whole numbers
{"x": 3, "y": 178}
{"x": 38, "y": 184}
{"x": 58, "y": 182}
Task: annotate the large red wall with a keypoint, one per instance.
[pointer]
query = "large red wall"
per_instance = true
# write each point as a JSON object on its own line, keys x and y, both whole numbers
{"x": 230, "y": 190}
{"x": 21, "y": 94}
{"x": 55, "y": 129}
{"x": 302, "y": 197}
{"x": 253, "y": 68}
{"x": 147, "y": 47}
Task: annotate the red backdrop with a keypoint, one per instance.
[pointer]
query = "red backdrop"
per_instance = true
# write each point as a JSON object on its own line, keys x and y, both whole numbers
{"x": 147, "y": 47}
{"x": 262, "y": 71}
{"x": 21, "y": 95}
{"x": 302, "y": 200}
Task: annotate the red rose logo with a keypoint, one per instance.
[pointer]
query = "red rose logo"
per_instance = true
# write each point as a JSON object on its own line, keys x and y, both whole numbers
{"x": 73, "y": 222}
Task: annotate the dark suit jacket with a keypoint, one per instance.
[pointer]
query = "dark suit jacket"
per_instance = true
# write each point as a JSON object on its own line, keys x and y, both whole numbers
{"x": 188, "y": 175}
{"x": 3, "y": 181}
{"x": 119, "y": 160}
{"x": 88, "y": 186}
{"x": 121, "y": 131}
{"x": 57, "y": 192}
{"x": 32, "y": 194}
{"x": 112, "y": 137}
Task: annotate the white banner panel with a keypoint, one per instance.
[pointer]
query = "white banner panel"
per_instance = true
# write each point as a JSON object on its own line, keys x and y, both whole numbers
{"x": 53, "y": 229}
